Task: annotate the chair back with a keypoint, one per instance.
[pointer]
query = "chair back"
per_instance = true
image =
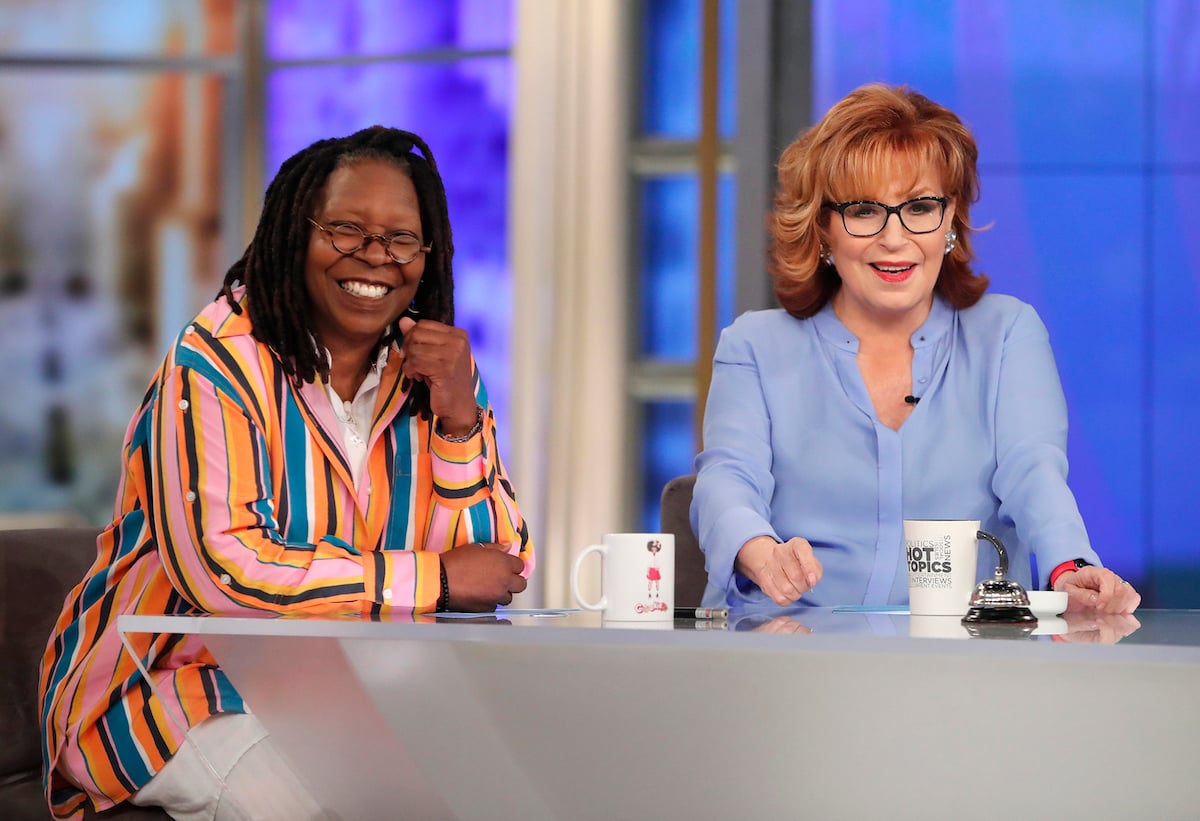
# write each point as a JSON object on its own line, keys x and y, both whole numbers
{"x": 690, "y": 576}
{"x": 38, "y": 567}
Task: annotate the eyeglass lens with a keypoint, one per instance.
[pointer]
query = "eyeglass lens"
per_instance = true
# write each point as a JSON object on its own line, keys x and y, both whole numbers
{"x": 919, "y": 216}
{"x": 348, "y": 238}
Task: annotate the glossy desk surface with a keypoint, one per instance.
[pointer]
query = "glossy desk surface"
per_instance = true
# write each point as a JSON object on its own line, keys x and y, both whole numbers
{"x": 1164, "y": 635}
{"x": 800, "y": 713}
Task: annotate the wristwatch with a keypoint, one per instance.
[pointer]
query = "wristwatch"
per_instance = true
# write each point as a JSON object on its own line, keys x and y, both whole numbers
{"x": 1073, "y": 564}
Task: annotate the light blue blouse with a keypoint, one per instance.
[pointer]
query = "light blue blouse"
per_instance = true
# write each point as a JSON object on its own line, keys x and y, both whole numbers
{"x": 792, "y": 447}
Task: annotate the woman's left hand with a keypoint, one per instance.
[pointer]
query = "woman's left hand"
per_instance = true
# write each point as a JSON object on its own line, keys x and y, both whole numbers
{"x": 1097, "y": 588}
{"x": 440, "y": 356}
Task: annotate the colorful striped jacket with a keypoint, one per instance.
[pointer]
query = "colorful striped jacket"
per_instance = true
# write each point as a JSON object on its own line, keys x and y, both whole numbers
{"x": 236, "y": 496}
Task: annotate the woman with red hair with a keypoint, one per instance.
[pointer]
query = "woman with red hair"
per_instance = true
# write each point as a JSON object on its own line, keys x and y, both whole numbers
{"x": 889, "y": 386}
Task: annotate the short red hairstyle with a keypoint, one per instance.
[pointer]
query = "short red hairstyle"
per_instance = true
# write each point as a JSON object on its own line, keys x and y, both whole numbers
{"x": 869, "y": 135}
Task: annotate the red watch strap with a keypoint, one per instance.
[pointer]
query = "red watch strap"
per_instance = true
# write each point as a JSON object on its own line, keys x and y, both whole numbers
{"x": 1071, "y": 564}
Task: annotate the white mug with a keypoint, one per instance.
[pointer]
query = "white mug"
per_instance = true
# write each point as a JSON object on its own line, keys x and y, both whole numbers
{"x": 637, "y": 577}
{"x": 941, "y": 558}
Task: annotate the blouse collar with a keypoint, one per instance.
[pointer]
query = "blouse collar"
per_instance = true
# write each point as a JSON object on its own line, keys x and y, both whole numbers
{"x": 936, "y": 325}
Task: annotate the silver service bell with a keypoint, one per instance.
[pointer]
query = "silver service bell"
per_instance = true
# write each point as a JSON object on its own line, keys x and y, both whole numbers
{"x": 999, "y": 606}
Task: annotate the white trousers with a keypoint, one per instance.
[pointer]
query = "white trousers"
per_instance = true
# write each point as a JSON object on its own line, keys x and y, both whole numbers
{"x": 229, "y": 770}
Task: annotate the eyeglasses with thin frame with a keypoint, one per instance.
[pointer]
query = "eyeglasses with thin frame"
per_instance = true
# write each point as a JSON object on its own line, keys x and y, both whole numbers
{"x": 348, "y": 238}
{"x": 866, "y": 218}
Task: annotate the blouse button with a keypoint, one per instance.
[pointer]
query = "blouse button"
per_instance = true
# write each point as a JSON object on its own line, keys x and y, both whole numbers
{"x": 190, "y": 496}
{"x": 183, "y": 404}
{"x": 387, "y": 594}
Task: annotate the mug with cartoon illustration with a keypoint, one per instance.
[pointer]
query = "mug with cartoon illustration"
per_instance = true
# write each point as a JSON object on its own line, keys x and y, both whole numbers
{"x": 653, "y": 574}
{"x": 637, "y": 577}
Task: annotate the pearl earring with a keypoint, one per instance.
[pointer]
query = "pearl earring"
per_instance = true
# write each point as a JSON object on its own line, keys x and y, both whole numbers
{"x": 827, "y": 256}
{"x": 951, "y": 240}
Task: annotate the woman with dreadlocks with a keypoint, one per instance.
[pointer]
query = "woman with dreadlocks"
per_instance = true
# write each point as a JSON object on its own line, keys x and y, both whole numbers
{"x": 317, "y": 441}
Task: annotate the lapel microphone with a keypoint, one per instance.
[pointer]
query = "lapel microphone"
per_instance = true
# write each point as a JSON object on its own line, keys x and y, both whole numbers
{"x": 912, "y": 400}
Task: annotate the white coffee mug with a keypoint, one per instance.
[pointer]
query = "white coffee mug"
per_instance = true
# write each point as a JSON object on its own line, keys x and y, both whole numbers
{"x": 941, "y": 558}
{"x": 637, "y": 577}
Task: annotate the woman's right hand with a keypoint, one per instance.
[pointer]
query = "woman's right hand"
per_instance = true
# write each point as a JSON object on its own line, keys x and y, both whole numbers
{"x": 481, "y": 576}
{"x": 784, "y": 572}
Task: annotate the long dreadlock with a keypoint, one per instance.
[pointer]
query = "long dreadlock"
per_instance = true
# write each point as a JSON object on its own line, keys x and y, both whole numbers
{"x": 272, "y": 267}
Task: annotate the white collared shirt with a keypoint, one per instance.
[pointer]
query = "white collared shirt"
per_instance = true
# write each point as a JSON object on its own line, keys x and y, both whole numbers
{"x": 354, "y": 416}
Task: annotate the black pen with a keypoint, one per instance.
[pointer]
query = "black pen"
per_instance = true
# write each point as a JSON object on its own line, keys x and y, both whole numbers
{"x": 701, "y": 613}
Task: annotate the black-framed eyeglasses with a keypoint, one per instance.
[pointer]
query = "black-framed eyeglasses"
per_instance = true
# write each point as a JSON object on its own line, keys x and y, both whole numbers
{"x": 348, "y": 238}
{"x": 866, "y": 218}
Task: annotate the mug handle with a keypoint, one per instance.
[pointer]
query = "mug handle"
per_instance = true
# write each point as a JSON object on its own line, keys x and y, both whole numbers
{"x": 603, "y": 603}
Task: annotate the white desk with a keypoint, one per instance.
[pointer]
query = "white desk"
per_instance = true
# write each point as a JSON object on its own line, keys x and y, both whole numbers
{"x": 560, "y": 719}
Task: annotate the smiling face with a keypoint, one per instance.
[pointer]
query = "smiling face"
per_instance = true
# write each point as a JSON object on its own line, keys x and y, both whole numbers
{"x": 888, "y": 278}
{"x": 353, "y": 298}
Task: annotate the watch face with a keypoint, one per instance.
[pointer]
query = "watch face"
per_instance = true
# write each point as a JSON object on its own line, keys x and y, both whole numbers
{"x": 1082, "y": 563}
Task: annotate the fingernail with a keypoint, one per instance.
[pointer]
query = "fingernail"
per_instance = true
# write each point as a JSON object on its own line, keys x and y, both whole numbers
{"x": 812, "y": 580}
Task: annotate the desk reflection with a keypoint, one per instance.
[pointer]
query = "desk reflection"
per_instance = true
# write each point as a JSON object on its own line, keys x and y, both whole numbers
{"x": 482, "y": 618}
{"x": 782, "y": 624}
{"x": 1091, "y": 627}
{"x": 1087, "y": 627}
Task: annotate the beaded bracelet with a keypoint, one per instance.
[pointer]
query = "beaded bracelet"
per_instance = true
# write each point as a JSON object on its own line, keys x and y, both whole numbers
{"x": 443, "y": 602}
{"x": 478, "y": 427}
